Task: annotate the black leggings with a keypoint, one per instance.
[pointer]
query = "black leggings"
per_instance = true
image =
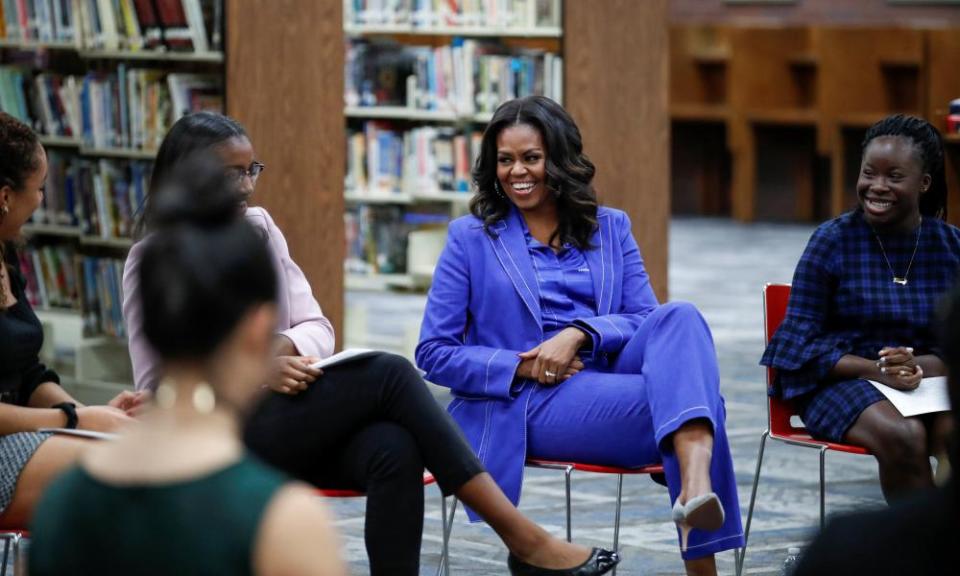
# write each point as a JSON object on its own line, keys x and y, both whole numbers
{"x": 370, "y": 425}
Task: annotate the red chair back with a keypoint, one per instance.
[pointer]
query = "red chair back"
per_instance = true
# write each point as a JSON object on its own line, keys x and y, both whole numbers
{"x": 775, "y": 298}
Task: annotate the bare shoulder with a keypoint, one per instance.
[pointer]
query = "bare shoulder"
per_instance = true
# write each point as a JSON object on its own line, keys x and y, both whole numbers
{"x": 296, "y": 536}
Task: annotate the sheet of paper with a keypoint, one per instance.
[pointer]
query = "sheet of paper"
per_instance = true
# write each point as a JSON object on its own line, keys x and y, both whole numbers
{"x": 349, "y": 355}
{"x": 930, "y": 396}
{"x": 81, "y": 433}
{"x": 342, "y": 357}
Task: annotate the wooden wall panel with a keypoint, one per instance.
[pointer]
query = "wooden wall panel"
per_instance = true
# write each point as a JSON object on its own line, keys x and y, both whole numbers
{"x": 285, "y": 83}
{"x": 816, "y": 12}
{"x": 616, "y": 70}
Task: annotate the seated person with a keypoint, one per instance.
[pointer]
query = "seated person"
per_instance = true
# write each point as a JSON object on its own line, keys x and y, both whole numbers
{"x": 30, "y": 394}
{"x": 542, "y": 321}
{"x": 862, "y": 306}
{"x": 917, "y": 536}
{"x": 179, "y": 494}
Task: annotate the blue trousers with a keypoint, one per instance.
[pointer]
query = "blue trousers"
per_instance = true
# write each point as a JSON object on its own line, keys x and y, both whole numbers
{"x": 666, "y": 375}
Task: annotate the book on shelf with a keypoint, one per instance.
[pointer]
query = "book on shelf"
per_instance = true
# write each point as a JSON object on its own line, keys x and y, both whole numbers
{"x": 175, "y": 25}
{"x": 377, "y": 236}
{"x": 464, "y": 78}
{"x": 384, "y": 160}
{"x": 50, "y": 271}
{"x": 102, "y": 299}
{"x": 134, "y": 107}
{"x": 99, "y": 199}
{"x": 453, "y": 13}
{"x": 131, "y": 108}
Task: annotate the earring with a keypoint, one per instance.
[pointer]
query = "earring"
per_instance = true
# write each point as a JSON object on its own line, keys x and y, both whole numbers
{"x": 166, "y": 394}
{"x": 496, "y": 186}
{"x": 4, "y": 210}
{"x": 204, "y": 401}
{"x": 203, "y": 398}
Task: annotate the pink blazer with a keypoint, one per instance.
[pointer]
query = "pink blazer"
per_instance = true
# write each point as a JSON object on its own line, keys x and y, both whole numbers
{"x": 299, "y": 317}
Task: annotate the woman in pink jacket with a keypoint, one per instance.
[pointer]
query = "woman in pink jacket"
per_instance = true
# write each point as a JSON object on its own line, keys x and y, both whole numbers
{"x": 370, "y": 424}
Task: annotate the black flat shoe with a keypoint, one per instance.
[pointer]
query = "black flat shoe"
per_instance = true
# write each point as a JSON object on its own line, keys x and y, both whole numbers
{"x": 600, "y": 561}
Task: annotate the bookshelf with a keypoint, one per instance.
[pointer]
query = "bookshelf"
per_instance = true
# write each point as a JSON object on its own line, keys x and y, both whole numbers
{"x": 420, "y": 87}
{"x": 101, "y": 88}
{"x": 623, "y": 116}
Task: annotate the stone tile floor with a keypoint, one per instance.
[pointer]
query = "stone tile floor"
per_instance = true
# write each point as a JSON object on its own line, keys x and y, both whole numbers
{"x": 721, "y": 266}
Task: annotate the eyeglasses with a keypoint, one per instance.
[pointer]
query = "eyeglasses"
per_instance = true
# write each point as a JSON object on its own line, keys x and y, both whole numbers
{"x": 238, "y": 174}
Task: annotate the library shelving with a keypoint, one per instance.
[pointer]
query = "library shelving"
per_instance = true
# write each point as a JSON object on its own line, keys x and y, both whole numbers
{"x": 100, "y": 83}
{"x": 623, "y": 116}
{"x": 420, "y": 87}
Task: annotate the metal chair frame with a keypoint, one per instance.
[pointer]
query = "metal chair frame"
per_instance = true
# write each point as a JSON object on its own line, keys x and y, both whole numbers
{"x": 567, "y": 468}
{"x": 428, "y": 479}
{"x": 11, "y": 538}
{"x": 779, "y": 413}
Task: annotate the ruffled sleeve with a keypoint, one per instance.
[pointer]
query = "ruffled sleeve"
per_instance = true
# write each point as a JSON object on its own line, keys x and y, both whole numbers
{"x": 804, "y": 350}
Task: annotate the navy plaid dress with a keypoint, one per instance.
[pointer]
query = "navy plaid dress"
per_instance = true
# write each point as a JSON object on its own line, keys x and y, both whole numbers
{"x": 844, "y": 301}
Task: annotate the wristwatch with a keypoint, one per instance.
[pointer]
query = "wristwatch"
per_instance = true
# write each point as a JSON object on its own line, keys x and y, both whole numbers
{"x": 70, "y": 409}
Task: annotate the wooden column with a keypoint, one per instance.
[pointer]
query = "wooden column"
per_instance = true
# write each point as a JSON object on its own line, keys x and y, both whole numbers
{"x": 285, "y": 84}
{"x": 616, "y": 79}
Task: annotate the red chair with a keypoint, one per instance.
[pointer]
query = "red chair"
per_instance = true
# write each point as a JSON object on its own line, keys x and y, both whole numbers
{"x": 780, "y": 412}
{"x": 428, "y": 479}
{"x": 568, "y": 468}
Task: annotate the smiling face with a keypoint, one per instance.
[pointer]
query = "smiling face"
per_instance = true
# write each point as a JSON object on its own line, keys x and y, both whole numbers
{"x": 521, "y": 168}
{"x": 21, "y": 204}
{"x": 891, "y": 182}
{"x": 237, "y": 153}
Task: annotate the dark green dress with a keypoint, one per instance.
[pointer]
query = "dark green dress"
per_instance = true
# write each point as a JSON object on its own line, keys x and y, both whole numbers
{"x": 205, "y": 526}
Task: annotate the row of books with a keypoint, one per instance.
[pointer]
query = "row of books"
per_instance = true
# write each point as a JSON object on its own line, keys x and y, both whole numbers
{"x": 454, "y": 13}
{"x": 176, "y": 25}
{"x": 132, "y": 108}
{"x": 465, "y": 78}
{"x": 384, "y": 160}
{"x": 102, "y": 297}
{"x": 51, "y": 273}
{"x": 377, "y": 236}
{"x": 101, "y": 198}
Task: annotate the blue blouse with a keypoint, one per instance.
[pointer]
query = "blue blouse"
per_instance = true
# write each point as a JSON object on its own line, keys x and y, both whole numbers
{"x": 843, "y": 299}
{"x": 566, "y": 286}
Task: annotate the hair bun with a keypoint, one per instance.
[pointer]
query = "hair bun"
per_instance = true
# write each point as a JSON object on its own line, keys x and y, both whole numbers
{"x": 196, "y": 193}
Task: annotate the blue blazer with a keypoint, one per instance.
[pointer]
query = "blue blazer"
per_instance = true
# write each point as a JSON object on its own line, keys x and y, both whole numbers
{"x": 484, "y": 308}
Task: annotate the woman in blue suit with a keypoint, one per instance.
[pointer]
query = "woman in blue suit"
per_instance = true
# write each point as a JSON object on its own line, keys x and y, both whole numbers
{"x": 542, "y": 321}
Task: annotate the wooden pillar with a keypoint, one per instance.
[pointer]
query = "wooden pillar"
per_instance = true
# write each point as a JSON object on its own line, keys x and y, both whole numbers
{"x": 616, "y": 81}
{"x": 285, "y": 84}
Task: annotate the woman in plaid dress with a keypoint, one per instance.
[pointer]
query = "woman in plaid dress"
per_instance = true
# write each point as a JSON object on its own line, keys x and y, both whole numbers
{"x": 863, "y": 301}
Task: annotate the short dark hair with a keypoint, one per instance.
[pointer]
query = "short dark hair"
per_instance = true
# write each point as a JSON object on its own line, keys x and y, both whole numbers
{"x": 203, "y": 268}
{"x": 18, "y": 152}
{"x": 929, "y": 145}
{"x": 189, "y": 135}
{"x": 569, "y": 171}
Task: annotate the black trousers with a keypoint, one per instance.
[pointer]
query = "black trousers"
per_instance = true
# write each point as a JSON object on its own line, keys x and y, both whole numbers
{"x": 369, "y": 425}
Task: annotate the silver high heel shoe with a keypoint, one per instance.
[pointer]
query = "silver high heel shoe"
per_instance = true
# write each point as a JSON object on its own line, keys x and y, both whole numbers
{"x": 704, "y": 512}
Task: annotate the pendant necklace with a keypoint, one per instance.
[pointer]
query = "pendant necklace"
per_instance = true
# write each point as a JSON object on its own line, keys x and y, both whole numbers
{"x": 901, "y": 280}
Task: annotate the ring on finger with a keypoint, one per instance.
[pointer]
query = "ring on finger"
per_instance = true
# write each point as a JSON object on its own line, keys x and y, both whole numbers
{"x": 549, "y": 374}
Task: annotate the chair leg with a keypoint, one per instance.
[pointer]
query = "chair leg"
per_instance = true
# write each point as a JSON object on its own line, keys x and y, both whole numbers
{"x": 444, "y": 567}
{"x": 823, "y": 485}
{"x": 16, "y": 554}
{"x": 616, "y": 519}
{"x": 753, "y": 499}
{"x": 568, "y": 471}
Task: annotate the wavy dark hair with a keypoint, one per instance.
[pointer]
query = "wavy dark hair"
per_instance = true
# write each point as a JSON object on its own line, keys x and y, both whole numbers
{"x": 929, "y": 145}
{"x": 18, "y": 160}
{"x": 569, "y": 173}
{"x": 189, "y": 135}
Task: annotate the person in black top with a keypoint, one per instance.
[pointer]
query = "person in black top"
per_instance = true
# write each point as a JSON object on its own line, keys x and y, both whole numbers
{"x": 916, "y": 536}
{"x": 30, "y": 395}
